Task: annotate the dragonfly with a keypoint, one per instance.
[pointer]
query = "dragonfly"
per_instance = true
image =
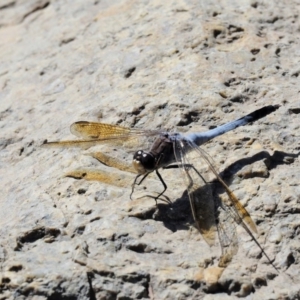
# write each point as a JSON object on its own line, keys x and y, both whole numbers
{"x": 176, "y": 150}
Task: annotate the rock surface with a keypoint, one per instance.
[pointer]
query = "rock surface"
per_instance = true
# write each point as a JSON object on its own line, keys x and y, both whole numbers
{"x": 184, "y": 65}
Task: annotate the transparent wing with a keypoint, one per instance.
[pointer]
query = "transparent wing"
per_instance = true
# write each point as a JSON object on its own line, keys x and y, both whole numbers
{"x": 93, "y": 133}
{"x": 227, "y": 235}
{"x": 226, "y": 213}
{"x": 237, "y": 210}
{"x": 99, "y": 131}
{"x": 210, "y": 213}
{"x": 200, "y": 193}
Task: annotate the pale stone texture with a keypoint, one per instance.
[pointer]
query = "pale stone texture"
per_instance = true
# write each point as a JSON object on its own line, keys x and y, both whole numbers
{"x": 185, "y": 65}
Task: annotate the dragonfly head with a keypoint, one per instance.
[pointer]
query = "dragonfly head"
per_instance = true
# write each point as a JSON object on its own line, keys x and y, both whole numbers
{"x": 143, "y": 162}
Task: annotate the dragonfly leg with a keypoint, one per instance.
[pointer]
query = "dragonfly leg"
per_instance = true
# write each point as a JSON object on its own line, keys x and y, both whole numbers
{"x": 160, "y": 194}
{"x": 165, "y": 187}
{"x": 143, "y": 178}
{"x": 137, "y": 183}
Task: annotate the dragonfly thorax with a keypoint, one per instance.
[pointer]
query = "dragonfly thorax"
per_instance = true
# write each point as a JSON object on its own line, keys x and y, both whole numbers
{"x": 144, "y": 162}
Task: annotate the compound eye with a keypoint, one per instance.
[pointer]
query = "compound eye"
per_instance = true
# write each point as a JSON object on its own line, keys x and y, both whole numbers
{"x": 148, "y": 161}
{"x": 143, "y": 162}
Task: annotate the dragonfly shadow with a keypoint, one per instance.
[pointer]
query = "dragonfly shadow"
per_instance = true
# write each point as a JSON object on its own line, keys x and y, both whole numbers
{"x": 271, "y": 162}
{"x": 178, "y": 215}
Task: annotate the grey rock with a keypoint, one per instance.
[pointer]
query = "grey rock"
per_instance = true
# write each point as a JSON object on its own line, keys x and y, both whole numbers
{"x": 186, "y": 66}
